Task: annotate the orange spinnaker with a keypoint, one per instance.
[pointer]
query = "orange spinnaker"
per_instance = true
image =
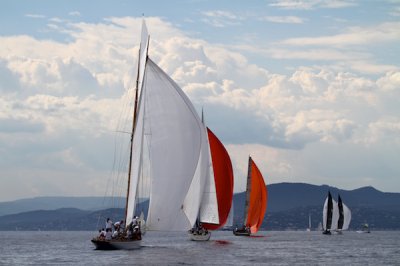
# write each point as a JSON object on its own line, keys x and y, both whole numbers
{"x": 223, "y": 176}
{"x": 258, "y": 199}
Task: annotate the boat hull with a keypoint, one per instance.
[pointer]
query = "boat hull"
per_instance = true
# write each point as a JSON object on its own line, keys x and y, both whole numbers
{"x": 200, "y": 237}
{"x": 116, "y": 244}
{"x": 241, "y": 232}
{"x": 326, "y": 232}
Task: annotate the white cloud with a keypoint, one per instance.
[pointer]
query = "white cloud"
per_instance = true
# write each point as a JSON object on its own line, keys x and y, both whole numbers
{"x": 74, "y": 13}
{"x": 35, "y": 16}
{"x": 56, "y": 20}
{"x": 390, "y": 82}
{"x": 221, "y": 18}
{"x": 312, "y": 4}
{"x": 386, "y": 128}
{"x": 60, "y": 102}
{"x": 385, "y": 32}
{"x": 285, "y": 19}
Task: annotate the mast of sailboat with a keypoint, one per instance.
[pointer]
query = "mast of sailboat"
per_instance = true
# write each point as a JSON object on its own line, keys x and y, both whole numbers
{"x": 248, "y": 188}
{"x": 133, "y": 126}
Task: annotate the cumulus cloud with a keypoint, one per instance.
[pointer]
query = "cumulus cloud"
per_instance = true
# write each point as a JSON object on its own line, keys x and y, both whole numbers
{"x": 353, "y": 49}
{"x": 9, "y": 81}
{"x": 61, "y": 101}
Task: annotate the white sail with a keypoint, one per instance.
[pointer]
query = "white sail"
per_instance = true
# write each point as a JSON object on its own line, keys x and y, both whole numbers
{"x": 137, "y": 155}
{"x": 177, "y": 156}
{"x": 325, "y": 214}
{"x": 144, "y": 46}
{"x": 195, "y": 194}
{"x": 347, "y": 217}
{"x": 335, "y": 215}
{"x": 209, "y": 203}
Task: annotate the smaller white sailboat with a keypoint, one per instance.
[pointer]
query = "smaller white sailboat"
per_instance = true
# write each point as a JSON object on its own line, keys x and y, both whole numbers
{"x": 309, "y": 223}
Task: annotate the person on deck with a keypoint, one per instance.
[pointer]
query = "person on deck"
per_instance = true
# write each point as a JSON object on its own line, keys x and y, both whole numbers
{"x": 108, "y": 234}
{"x": 109, "y": 225}
{"x": 119, "y": 226}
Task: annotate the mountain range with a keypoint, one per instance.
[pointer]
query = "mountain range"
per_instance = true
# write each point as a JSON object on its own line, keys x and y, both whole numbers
{"x": 289, "y": 206}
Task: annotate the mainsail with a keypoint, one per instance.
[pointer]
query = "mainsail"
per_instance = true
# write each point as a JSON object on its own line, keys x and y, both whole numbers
{"x": 176, "y": 145}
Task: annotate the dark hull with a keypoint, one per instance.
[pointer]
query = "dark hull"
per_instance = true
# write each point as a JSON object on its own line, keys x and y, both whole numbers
{"x": 239, "y": 232}
{"x": 326, "y": 232}
{"x": 116, "y": 244}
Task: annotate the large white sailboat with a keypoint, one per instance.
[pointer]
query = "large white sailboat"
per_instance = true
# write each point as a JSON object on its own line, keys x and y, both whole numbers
{"x": 168, "y": 131}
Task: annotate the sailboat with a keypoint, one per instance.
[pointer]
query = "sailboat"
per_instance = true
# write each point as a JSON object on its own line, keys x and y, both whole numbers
{"x": 364, "y": 229}
{"x": 256, "y": 202}
{"x": 309, "y": 223}
{"x": 220, "y": 183}
{"x": 330, "y": 215}
{"x": 168, "y": 131}
{"x": 344, "y": 216}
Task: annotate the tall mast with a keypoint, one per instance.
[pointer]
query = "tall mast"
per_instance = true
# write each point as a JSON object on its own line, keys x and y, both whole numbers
{"x": 133, "y": 130}
{"x": 139, "y": 85}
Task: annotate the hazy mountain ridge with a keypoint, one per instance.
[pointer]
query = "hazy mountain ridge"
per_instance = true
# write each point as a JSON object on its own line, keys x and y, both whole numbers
{"x": 289, "y": 205}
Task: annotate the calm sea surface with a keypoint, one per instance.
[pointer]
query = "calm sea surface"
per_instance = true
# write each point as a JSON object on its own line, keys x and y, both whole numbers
{"x": 271, "y": 248}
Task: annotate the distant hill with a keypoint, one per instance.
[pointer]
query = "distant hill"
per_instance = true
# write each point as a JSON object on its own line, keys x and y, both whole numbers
{"x": 58, "y": 220}
{"x": 53, "y": 203}
{"x": 289, "y": 205}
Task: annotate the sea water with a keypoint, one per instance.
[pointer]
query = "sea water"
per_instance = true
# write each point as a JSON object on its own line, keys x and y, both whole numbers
{"x": 160, "y": 248}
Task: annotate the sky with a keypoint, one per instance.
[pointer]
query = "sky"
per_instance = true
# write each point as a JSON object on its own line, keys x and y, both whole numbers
{"x": 309, "y": 89}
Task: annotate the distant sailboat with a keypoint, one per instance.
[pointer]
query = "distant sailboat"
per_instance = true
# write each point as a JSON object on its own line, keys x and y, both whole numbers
{"x": 256, "y": 201}
{"x": 309, "y": 223}
{"x": 330, "y": 215}
{"x": 319, "y": 228}
{"x": 364, "y": 229}
{"x": 344, "y": 216}
{"x": 168, "y": 131}
{"x": 213, "y": 212}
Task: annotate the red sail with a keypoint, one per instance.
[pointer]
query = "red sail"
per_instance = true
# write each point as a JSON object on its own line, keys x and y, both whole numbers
{"x": 223, "y": 176}
{"x": 258, "y": 198}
